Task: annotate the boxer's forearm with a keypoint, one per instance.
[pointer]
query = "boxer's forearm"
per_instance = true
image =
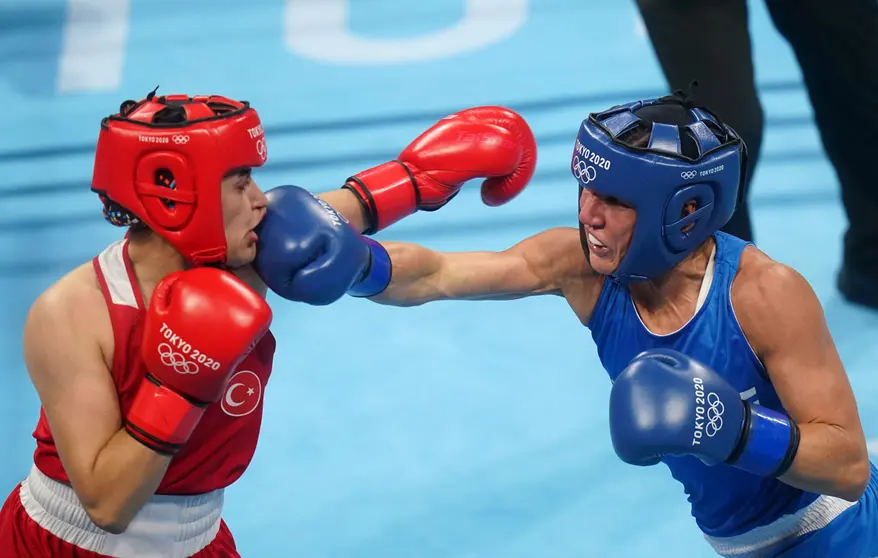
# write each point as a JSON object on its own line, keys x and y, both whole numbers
{"x": 421, "y": 275}
{"x": 829, "y": 461}
{"x": 415, "y": 276}
{"x": 125, "y": 475}
{"x": 346, "y": 203}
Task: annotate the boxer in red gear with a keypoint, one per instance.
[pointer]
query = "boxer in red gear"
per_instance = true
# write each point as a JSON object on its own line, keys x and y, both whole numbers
{"x": 153, "y": 383}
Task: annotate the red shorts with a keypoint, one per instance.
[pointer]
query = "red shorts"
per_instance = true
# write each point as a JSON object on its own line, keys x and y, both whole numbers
{"x": 21, "y": 537}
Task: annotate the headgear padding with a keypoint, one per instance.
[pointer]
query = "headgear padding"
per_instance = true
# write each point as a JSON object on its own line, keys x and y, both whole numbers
{"x": 690, "y": 154}
{"x": 163, "y": 159}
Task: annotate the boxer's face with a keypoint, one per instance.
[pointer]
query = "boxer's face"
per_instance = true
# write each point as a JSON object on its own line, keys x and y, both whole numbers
{"x": 243, "y": 208}
{"x": 609, "y": 225}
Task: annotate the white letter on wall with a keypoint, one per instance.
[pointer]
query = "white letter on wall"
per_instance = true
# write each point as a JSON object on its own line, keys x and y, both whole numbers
{"x": 318, "y": 30}
{"x": 93, "y": 45}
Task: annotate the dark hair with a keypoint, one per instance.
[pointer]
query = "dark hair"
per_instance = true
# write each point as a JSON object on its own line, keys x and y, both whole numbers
{"x": 674, "y": 110}
{"x": 677, "y": 115}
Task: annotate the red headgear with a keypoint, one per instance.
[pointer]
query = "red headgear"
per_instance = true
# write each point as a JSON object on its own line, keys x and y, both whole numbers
{"x": 162, "y": 160}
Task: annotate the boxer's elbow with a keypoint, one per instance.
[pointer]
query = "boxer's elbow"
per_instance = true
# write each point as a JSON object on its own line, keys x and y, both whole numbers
{"x": 850, "y": 474}
{"x": 854, "y": 479}
{"x": 107, "y": 507}
{"x": 114, "y": 525}
{"x": 856, "y": 471}
{"x": 108, "y": 517}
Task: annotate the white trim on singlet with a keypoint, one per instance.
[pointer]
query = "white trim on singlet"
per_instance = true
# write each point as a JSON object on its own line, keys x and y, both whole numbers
{"x": 112, "y": 264}
{"x": 707, "y": 281}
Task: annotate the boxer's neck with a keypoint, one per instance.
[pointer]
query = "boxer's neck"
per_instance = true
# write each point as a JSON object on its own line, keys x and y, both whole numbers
{"x": 152, "y": 258}
{"x": 667, "y": 303}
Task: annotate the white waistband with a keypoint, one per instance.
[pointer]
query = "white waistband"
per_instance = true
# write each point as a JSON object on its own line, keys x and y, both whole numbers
{"x": 759, "y": 541}
{"x": 166, "y": 526}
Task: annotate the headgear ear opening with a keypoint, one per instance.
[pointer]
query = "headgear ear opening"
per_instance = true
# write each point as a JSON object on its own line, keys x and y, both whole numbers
{"x": 164, "y": 177}
{"x": 119, "y": 216}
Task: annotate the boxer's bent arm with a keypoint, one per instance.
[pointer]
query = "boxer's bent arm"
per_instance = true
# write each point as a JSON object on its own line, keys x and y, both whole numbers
{"x": 112, "y": 474}
{"x": 784, "y": 322}
{"x": 536, "y": 265}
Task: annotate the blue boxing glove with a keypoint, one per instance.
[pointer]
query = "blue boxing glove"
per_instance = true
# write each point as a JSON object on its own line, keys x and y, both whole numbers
{"x": 307, "y": 252}
{"x": 665, "y": 403}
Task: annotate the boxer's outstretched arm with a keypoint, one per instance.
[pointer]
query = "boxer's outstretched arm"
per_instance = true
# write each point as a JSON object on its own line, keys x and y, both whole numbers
{"x": 537, "y": 265}
{"x": 784, "y": 322}
{"x": 346, "y": 203}
{"x": 112, "y": 474}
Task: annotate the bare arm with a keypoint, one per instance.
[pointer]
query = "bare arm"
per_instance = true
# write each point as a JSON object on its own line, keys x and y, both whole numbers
{"x": 784, "y": 321}
{"x": 537, "y": 265}
{"x": 347, "y": 204}
{"x": 112, "y": 474}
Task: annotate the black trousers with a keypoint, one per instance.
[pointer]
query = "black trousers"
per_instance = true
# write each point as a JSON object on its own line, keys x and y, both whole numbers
{"x": 836, "y": 45}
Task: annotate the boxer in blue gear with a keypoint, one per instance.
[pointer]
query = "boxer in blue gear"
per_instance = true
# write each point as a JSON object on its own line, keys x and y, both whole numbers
{"x": 723, "y": 367}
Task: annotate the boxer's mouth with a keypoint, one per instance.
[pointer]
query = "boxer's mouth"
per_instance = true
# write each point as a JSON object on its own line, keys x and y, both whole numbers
{"x": 596, "y": 246}
{"x": 252, "y": 236}
{"x": 593, "y": 240}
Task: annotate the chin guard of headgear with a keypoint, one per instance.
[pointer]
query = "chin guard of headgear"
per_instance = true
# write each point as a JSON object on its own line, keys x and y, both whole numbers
{"x": 160, "y": 161}
{"x": 659, "y": 179}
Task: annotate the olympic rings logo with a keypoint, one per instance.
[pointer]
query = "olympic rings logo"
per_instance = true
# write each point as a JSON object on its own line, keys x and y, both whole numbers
{"x": 582, "y": 172}
{"x": 688, "y": 175}
{"x": 177, "y": 361}
{"x": 715, "y": 411}
{"x": 262, "y": 149}
{"x": 180, "y": 140}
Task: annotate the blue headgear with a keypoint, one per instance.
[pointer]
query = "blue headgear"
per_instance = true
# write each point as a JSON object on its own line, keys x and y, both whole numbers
{"x": 658, "y": 180}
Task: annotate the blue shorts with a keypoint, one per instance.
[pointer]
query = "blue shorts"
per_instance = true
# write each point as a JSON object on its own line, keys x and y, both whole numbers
{"x": 828, "y": 527}
{"x": 853, "y": 534}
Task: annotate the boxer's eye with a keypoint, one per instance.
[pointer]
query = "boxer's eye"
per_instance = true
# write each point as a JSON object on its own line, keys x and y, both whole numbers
{"x": 242, "y": 178}
{"x": 246, "y": 179}
{"x": 243, "y": 172}
{"x": 611, "y": 200}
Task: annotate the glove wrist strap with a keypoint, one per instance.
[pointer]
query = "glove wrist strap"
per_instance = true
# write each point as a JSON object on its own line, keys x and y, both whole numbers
{"x": 388, "y": 192}
{"x": 769, "y": 442}
{"x": 378, "y": 272}
{"x": 160, "y": 418}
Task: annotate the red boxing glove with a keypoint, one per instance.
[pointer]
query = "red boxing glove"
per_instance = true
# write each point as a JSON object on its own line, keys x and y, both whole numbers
{"x": 491, "y": 142}
{"x": 199, "y": 326}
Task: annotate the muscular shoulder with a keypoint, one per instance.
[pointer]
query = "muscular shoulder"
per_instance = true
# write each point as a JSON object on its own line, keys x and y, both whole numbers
{"x": 770, "y": 298}
{"x": 72, "y": 310}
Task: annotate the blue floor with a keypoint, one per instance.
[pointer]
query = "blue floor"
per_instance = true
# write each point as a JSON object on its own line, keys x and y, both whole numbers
{"x": 450, "y": 430}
